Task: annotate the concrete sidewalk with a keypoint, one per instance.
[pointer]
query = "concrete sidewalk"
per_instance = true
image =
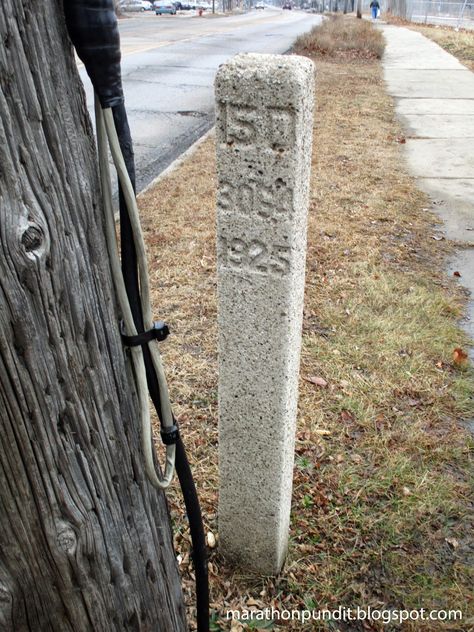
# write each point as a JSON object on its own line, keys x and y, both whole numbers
{"x": 434, "y": 96}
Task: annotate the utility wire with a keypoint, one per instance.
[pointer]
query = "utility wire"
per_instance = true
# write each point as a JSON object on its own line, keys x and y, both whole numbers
{"x": 107, "y": 136}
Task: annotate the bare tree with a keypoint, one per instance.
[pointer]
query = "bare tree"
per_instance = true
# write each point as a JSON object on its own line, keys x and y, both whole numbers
{"x": 85, "y": 541}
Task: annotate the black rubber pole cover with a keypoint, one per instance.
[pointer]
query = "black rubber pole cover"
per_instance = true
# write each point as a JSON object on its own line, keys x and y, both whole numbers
{"x": 127, "y": 245}
{"x": 196, "y": 528}
{"x": 93, "y": 29}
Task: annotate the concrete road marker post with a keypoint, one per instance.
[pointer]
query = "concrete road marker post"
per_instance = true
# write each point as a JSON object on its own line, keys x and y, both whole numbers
{"x": 264, "y": 138}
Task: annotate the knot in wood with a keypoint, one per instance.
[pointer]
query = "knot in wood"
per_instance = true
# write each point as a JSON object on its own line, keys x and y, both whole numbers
{"x": 32, "y": 238}
{"x": 5, "y": 596}
{"x": 67, "y": 540}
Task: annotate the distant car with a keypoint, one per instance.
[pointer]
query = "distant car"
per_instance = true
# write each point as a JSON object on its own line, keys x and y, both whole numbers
{"x": 259, "y": 5}
{"x": 131, "y": 5}
{"x": 146, "y": 5}
{"x": 162, "y": 9}
{"x": 287, "y": 5}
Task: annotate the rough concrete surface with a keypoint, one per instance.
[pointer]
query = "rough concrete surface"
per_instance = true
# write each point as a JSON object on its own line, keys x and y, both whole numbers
{"x": 413, "y": 54}
{"x": 440, "y": 125}
{"x": 452, "y": 194}
{"x": 429, "y": 84}
{"x": 434, "y": 96}
{"x": 434, "y": 106}
{"x": 448, "y": 157}
{"x": 264, "y": 106}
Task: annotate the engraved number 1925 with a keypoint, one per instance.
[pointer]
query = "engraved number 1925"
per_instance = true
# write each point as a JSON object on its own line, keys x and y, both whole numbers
{"x": 255, "y": 256}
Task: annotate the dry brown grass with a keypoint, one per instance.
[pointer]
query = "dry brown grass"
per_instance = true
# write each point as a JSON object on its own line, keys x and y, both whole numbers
{"x": 382, "y": 512}
{"x": 342, "y": 37}
{"x": 458, "y": 43}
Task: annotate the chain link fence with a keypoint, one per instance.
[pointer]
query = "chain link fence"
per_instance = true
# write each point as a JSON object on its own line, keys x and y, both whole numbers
{"x": 459, "y": 14}
{"x": 454, "y": 13}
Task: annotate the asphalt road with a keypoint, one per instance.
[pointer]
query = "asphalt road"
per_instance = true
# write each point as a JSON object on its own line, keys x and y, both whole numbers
{"x": 168, "y": 67}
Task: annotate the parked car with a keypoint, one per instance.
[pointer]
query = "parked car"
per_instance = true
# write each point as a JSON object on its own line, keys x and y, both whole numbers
{"x": 131, "y": 5}
{"x": 146, "y": 5}
{"x": 162, "y": 8}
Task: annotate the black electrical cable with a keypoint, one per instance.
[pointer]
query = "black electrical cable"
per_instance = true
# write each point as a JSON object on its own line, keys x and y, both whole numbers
{"x": 93, "y": 29}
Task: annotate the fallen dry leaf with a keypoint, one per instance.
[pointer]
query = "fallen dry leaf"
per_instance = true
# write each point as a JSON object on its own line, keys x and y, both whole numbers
{"x": 457, "y": 274}
{"x": 318, "y": 381}
{"x": 346, "y": 415}
{"x": 459, "y": 356}
{"x": 211, "y": 540}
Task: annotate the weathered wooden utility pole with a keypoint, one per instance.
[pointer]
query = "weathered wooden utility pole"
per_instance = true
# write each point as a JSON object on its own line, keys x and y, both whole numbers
{"x": 85, "y": 541}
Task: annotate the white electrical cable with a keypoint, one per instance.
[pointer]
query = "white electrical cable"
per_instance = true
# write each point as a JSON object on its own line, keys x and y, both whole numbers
{"x": 131, "y": 203}
{"x": 103, "y": 120}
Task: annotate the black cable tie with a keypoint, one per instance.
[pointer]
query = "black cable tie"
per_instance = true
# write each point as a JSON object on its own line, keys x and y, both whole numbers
{"x": 169, "y": 434}
{"x": 160, "y": 331}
